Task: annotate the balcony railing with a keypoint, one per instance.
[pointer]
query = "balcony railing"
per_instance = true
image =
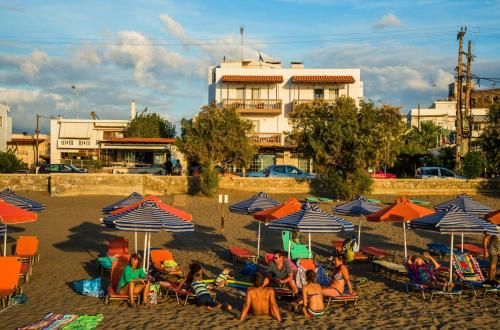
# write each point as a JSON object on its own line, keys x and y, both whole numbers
{"x": 255, "y": 106}
{"x": 297, "y": 103}
{"x": 266, "y": 139}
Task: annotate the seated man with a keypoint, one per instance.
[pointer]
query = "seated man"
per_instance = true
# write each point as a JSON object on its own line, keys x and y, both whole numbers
{"x": 260, "y": 300}
{"x": 279, "y": 271}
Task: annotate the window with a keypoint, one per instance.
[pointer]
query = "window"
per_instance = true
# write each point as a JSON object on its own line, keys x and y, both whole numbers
{"x": 319, "y": 94}
{"x": 256, "y": 125}
{"x": 53, "y": 168}
{"x": 240, "y": 93}
{"x": 446, "y": 173}
{"x": 293, "y": 170}
{"x": 279, "y": 169}
{"x": 334, "y": 93}
{"x": 1, "y": 121}
{"x": 433, "y": 171}
{"x": 255, "y": 93}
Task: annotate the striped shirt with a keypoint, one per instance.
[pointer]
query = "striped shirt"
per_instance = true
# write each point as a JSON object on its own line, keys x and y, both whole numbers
{"x": 200, "y": 288}
{"x": 222, "y": 277}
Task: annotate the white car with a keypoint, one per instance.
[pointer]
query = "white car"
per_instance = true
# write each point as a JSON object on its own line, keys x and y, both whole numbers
{"x": 436, "y": 173}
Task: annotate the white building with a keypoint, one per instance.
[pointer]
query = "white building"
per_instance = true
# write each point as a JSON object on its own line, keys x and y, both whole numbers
{"x": 266, "y": 93}
{"x": 5, "y": 126}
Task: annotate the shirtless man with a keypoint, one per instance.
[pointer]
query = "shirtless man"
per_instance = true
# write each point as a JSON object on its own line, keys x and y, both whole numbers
{"x": 260, "y": 300}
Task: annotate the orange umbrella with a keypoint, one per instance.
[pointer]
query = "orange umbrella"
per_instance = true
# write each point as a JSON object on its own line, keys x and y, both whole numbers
{"x": 9, "y": 215}
{"x": 493, "y": 217}
{"x": 292, "y": 205}
{"x": 402, "y": 210}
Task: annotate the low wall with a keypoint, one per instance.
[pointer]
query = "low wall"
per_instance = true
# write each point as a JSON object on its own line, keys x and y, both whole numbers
{"x": 124, "y": 184}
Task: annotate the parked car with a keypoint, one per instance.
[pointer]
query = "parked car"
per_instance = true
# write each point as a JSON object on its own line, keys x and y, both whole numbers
{"x": 60, "y": 168}
{"x": 381, "y": 175}
{"x": 281, "y": 171}
{"x": 436, "y": 172}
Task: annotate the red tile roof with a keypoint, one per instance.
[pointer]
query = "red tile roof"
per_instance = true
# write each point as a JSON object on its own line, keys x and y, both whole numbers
{"x": 142, "y": 140}
{"x": 323, "y": 79}
{"x": 260, "y": 79}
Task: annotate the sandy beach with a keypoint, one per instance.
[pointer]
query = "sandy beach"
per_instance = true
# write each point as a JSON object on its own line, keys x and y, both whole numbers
{"x": 71, "y": 239}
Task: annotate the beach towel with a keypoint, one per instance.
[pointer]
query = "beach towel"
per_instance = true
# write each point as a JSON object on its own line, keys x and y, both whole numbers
{"x": 50, "y": 321}
{"x": 84, "y": 322}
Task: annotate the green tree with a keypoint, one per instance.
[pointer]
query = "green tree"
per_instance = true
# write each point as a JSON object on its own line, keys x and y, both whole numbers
{"x": 150, "y": 125}
{"x": 343, "y": 141}
{"x": 491, "y": 140}
{"x": 9, "y": 163}
{"x": 215, "y": 136}
{"x": 473, "y": 165}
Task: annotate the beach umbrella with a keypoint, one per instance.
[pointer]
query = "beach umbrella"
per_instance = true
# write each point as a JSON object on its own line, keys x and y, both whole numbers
{"x": 259, "y": 202}
{"x": 10, "y": 197}
{"x": 359, "y": 206}
{"x": 149, "y": 216}
{"x": 466, "y": 204}
{"x": 290, "y": 206}
{"x": 493, "y": 217}
{"x": 311, "y": 219}
{"x": 10, "y": 215}
{"x": 129, "y": 200}
{"x": 454, "y": 220}
{"x": 402, "y": 210}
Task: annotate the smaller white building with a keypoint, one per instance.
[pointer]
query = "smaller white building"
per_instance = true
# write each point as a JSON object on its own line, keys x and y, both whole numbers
{"x": 5, "y": 126}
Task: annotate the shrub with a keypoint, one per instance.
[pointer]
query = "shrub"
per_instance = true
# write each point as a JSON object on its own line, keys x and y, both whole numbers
{"x": 350, "y": 185}
{"x": 9, "y": 163}
{"x": 473, "y": 165}
{"x": 96, "y": 164}
{"x": 209, "y": 180}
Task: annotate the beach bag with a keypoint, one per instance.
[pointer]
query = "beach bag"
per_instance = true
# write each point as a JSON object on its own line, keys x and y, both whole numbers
{"x": 154, "y": 289}
{"x": 90, "y": 288}
{"x": 249, "y": 269}
{"x": 348, "y": 249}
{"x": 322, "y": 277}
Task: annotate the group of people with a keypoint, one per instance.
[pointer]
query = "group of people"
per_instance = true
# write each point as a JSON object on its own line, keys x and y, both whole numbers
{"x": 171, "y": 169}
{"x": 260, "y": 298}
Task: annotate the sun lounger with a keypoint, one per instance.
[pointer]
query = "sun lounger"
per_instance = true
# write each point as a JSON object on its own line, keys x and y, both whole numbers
{"x": 388, "y": 268}
{"x": 411, "y": 285}
{"x": 117, "y": 246}
{"x": 9, "y": 278}
{"x": 376, "y": 253}
{"x": 471, "y": 248}
{"x": 312, "y": 199}
{"x": 242, "y": 254}
{"x": 181, "y": 294}
{"x": 374, "y": 201}
{"x": 158, "y": 257}
{"x": 358, "y": 256}
{"x": 420, "y": 202}
{"x": 27, "y": 249}
{"x": 297, "y": 250}
{"x": 325, "y": 200}
{"x": 116, "y": 273}
{"x": 344, "y": 298}
{"x": 469, "y": 273}
{"x": 106, "y": 263}
{"x": 440, "y": 249}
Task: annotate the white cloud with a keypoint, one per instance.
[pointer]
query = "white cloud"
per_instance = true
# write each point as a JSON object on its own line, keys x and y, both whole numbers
{"x": 387, "y": 20}
{"x": 34, "y": 63}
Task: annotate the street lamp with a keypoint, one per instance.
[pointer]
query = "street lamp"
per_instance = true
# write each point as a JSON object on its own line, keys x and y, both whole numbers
{"x": 76, "y": 92}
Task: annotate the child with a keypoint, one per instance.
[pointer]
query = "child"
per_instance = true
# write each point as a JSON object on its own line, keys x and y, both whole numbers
{"x": 201, "y": 289}
{"x": 221, "y": 279}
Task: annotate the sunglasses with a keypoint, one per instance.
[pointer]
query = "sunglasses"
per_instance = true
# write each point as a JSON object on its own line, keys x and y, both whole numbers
{"x": 276, "y": 258}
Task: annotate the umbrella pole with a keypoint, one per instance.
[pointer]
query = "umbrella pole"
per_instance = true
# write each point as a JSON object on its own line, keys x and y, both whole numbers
{"x": 5, "y": 242}
{"x": 144, "y": 251}
{"x": 149, "y": 249}
{"x": 135, "y": 243}
{"x": 258, "y": 243}
{"x": 451, "y": 259}
{"x": 462, "y": 249}
{"x": 359, "y": 236}
{"x": 404, "y": 235}
{"x": 310, "y": 247}
{"x": 289, "y": 244}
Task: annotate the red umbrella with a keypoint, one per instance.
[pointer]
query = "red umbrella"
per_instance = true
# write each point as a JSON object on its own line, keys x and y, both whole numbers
{"x": 402, "y": 210}
{"x": 10, "y": 215}
{"x": 493, "y": 217}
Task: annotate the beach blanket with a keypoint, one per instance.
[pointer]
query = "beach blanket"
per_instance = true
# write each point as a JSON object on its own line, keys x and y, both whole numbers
{"x": 65, "y": 321}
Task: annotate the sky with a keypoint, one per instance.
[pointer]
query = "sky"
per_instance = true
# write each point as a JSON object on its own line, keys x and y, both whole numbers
{"x": 157, "y": 52}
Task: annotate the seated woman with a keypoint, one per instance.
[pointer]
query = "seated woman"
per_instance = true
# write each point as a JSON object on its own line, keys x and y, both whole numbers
{"x": 426, "y": 273}
{"x": 133, "y": 281}
{"x": 312, "y": 298}
{"x": 340, "y": 278}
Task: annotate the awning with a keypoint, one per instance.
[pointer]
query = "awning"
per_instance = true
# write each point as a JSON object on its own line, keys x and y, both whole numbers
{"x": 75, "y": 130}
{"x": 324, "y": 79}
{"x": 255, "y": 79}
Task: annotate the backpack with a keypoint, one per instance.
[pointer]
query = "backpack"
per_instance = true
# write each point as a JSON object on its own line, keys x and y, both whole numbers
{"x": 348, "y": 249}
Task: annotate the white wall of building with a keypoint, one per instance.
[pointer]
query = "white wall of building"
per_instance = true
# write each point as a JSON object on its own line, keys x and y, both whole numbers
{"x": 5, "y": 126}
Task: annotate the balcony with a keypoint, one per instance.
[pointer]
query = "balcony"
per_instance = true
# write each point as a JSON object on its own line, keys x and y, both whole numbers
{"x": 255, "y": 107}
{"x": 266, "y": 139}
{"x": 297, "y": 103}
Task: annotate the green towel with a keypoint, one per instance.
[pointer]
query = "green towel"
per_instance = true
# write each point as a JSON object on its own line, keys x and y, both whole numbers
{"x": 85, "y": 322}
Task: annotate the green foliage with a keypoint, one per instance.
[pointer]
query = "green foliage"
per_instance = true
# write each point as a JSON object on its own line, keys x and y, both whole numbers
{"x": 9, "y": 163}
{"x": 473, "y": 165}
{"x": 215, "y": 136}
{"x": 209, "y": 180}
{"x": 343, "y": 141}
{"x": 96, "y": 164}
{"x": 420, "y": 141}
{"x": 491, "y": 140}
{"x": 150, "y": 125}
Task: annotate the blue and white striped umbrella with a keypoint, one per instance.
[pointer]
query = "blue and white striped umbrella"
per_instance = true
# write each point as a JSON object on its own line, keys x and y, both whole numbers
{"x": 258, "y": 202}
{"x": 454, "y": 220}
{"x": 466, "y": 204}
{"x": 131, "y": 199}
{"x": 24, "y": 203}
{"x": 3, "y": 229}
{"x": 311, "y": 219}
{"x": 357, "y": 207}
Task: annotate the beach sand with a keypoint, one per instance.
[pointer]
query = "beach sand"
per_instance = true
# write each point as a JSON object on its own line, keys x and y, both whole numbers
{"x": 71, "y": 239}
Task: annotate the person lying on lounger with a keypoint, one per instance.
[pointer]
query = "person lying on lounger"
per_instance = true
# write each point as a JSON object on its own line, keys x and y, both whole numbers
{"x": 311, "y": 304}
{"x": 279, "y": 271}
{"x": 260, "y": 300}
{"x": 340, "y": 278}
{"x": 133, "y": 281}
{"x": 424, "y": 271}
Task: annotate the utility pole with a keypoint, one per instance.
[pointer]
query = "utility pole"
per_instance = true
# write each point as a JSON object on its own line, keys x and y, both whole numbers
{"x": 242, "y": 31}
{"x": 468, "y": 91}
{"x": 459, "y": 124}
{"x": 37, "y": 131}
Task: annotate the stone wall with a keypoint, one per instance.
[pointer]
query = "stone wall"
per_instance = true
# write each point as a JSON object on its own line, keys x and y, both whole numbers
{"x": 124, "y": 184}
